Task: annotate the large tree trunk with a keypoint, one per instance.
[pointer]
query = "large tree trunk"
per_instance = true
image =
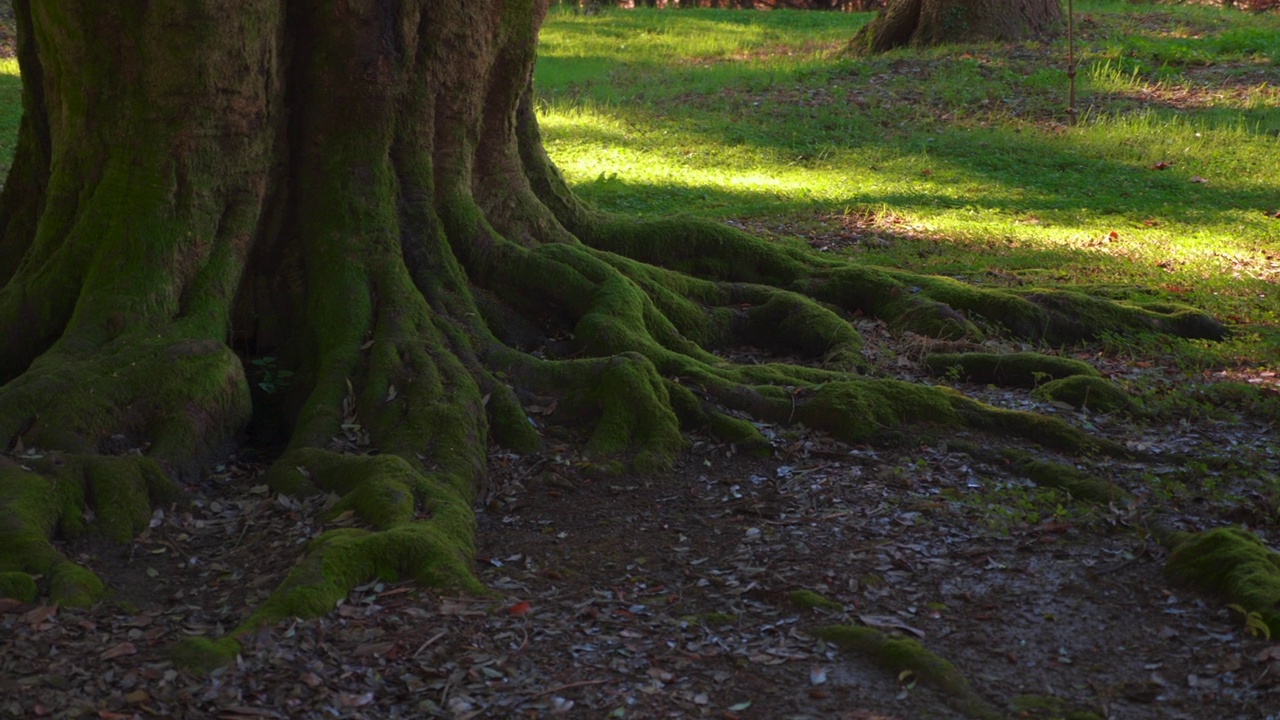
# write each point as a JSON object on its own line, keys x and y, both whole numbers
{"x": 355, "y": 192}
{"x": 922, "y": 23}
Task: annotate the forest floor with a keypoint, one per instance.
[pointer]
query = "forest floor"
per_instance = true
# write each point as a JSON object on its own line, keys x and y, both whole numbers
{"x": 675, "y": 596}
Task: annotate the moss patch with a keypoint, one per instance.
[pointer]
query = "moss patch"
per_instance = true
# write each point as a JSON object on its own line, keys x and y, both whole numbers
{"x": 1048, "y": 707}
{"x": 18, "y": 585}
{"x": 1083, "y": 391}
{"x": 1234, "y": 564}
{"x": 1026, "y": 369}
{"x": 809, "y": 600}
{"x": 898, "y": 655}
{"x": 1079, "y": 484}
{"x": 201, "y": 655}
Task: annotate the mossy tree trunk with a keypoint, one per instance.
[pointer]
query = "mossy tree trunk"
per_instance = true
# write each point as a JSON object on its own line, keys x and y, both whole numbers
{"x": 350, "y": 199}
{"x": 922, "y": 23}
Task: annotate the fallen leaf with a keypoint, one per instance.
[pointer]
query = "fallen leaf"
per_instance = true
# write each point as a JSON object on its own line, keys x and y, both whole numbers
{"x": 124, "y": 648}
{"x": 381, "y": 648}
{"x": 353, "y": 701}
{"x": 40, "y": 614}
{"x": 1198, "y": 179}
{"x": 889, "y": 622}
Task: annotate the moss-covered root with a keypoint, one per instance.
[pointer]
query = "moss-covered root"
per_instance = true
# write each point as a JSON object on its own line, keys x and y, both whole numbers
{"x": 48, "y": 497}
{"x": 1091, "y": 393}
{"x": 1232, "y": 563}
{"x": 188, "y": 397}
{"x": 1025, "y": 369}
{"x": 626, "y": 397}
{"x": 899, "y": 655}
{"x": 810, "y": 600}
{"x": 420, "y": 527}
{"x": 203, "y": 655}
{"x": 1077, "y": 483}
{"x": 694, "y": 412}
{"x": 858, "y": 410}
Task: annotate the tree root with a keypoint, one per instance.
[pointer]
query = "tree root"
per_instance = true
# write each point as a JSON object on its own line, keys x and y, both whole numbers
{"x": 47, "y": 495}
{"x": 902, "y": 656}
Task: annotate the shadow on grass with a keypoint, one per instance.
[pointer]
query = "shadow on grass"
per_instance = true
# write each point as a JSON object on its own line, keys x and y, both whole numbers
{"x": 901, "y": 109}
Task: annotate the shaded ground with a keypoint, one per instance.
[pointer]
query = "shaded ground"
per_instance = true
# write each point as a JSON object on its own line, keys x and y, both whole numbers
{"x": 647, "y": 597}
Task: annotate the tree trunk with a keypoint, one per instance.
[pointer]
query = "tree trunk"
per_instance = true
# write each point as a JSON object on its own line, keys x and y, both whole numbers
{"x": 922, "y": 23}
{"x": 332, "y": 223}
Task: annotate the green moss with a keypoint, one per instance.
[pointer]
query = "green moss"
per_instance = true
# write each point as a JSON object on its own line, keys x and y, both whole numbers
{"x": 509, "y": 424}
{"x": 1048, "y": 707}
{"x": 694, "y": 413}
{"x": 1049, "y": 431}
{"x": 1234, "y": 564}
{"x": 898, "y": 655}
{"x": 636, "y": 413}
{"x": 123, "y": 491}
{"x": 809, "y": 600}
{"x": 858, "y": 410}
{"x": 1025, "y": 369}
{"x": 18, "y": 585}
{"x": 1095, "y": 393}
{"x": 423, "y": 529}
{"x": 33, "y": 507}
{"x": 341, "y": 559}
{"x": 791, "y": 323}
{"x": 74, "y": 586}
{"x": 202, "y": 655}
{"x": 1079, "y": 484}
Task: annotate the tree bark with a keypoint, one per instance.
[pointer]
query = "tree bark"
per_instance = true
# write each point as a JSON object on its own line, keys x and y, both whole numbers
{"x": 332, "y": 222}
{"x": 923, "y": 23}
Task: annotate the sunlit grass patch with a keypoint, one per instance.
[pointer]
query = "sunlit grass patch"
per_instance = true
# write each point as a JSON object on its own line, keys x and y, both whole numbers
{"x": 1168, "y": 180}
{"x": 10, "y": 110}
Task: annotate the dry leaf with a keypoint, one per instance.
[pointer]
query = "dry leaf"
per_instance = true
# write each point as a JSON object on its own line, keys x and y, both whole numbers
{"x": 124, "y": 648}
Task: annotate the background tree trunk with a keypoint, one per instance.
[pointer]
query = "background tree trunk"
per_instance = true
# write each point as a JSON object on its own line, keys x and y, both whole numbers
{"x": 921, "y": 23}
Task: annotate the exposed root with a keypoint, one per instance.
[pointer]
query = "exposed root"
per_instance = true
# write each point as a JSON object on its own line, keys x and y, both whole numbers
{"x": 48, "y": 495}
{"x": 904, "y": 657}
{"x": 1232, "y": 563}
{"x": 181, "y": 399}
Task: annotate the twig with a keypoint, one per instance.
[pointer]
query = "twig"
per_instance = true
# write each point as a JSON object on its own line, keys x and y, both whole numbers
{"x": 430, "y": 641}
{"x": 570, "y": 686}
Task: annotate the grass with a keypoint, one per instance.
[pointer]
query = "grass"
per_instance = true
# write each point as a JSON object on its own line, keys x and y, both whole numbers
{"x": 955, "y": 161}
{"x": 10, "y": 110}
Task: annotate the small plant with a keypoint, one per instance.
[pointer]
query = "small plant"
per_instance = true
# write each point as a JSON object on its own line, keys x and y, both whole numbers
{"x": 953, "y": 375}
{"x": 1253, "y": 622}
{"x": 271, "y": 379}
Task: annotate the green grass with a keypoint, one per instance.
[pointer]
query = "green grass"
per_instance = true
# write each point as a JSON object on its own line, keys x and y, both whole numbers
{"x": 10, "y": 110}
{"x": 956, "y": 160}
